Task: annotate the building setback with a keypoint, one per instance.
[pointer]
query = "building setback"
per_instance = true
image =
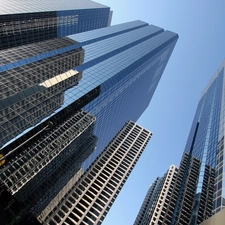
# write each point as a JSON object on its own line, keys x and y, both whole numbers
{"x": 91, "y": 198}
{"x": 126, "y": 70}
{"x": 199, "y": 187}
{"x": 206, "y": 143}
{"x": 157, "y": 198}
{"x": 166, "y": 197}
{"x": 62, "y": 101}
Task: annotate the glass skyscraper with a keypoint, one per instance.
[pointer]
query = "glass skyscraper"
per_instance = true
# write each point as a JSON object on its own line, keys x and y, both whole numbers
{"x": 62, "y": 101}
{"x": 206, "y": 143}
{"x": 198, "y": 191}
{"x": 28, "y": 21}
{"x": 124, "y": 63}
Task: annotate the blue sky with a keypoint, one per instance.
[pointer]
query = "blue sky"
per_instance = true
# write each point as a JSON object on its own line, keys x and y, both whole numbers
{"x": 198, "y": 53}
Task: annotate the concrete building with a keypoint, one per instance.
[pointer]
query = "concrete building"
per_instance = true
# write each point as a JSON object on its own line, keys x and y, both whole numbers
{"x": 90, "y": 199}
{"x": 217, "y": 219}
{"x": 155, "y": 204}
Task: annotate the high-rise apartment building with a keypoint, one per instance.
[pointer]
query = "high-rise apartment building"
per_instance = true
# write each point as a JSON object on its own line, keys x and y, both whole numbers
{"x": 165, "y": 196}
{"x": 88, "y": 201}
{"x": 198, "y": 190}
{"x": 156, "y": 200}
{"x": 63, "y": 99}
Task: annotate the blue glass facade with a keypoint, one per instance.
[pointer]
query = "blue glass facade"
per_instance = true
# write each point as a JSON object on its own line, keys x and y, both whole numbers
{"x": 198, "y": 191}
{"x": 106, "y": 75}
{"x": 81, "y": 20}
{"x": 23, "y": 22}
{"x": 206, "y": 143}
{"x": 128, "y": 92}
{"x": 126, "y": 61}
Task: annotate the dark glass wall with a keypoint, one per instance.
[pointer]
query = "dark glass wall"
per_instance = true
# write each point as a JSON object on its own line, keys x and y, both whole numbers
{"x": 36, "y": 21}
{"x": 109, "y": 74}
{"x": 208, "y": 147}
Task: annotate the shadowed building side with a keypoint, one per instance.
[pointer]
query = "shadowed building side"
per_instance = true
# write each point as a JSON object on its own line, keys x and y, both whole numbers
{"x": 91, "y": 198}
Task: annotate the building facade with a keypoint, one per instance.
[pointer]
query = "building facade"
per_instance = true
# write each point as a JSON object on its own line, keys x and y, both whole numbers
{"x": 199, "y": 188}
{"x": 28, "y": 21}
{"x": 205, "y": 142}
{"x": 64, "y": 99}
{"x": 90, "y": 199}
{"x": 126, "y": 71}
{"x": 157, "y": 198}
{"x": 170, "y": 199}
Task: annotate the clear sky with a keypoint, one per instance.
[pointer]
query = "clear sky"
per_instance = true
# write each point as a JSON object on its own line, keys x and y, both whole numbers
{"x": 198, "y": 53}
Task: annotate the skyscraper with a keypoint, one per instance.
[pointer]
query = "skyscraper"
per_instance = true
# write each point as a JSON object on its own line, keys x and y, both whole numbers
{"x": 29, "y": 21}
{"x": 128, "y": 70}
{"x": 90, "y": 199}
{"x": 26, "y": 70}
{"x": 199, "y": 186}
{"x": 205, "y": 142}
{"x": 156, "y": 200}
{"x": 66, "y": 99}
{"x": 165, "y": 197}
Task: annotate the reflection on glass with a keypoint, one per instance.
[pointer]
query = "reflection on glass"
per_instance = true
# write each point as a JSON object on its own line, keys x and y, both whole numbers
{"x": 34, "y": 91}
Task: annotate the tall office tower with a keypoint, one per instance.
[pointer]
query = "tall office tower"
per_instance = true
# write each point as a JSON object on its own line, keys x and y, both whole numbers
{"x": 28, "y": 21}
{"x": 206, "y": 143}
{"x": 199, "y": 186}
{"x": 90, "y": 199}
{"x": 128, "y": 71}
{"x": 106, "y": 75}
{"x": 124, "y": 62}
